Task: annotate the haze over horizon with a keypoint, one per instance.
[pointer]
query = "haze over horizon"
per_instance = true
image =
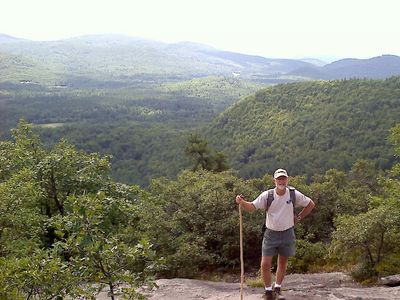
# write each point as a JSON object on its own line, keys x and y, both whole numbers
{"x": 326, "y": 30}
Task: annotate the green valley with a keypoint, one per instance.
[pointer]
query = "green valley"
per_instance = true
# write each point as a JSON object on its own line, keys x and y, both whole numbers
{"x": 140, "y": 100}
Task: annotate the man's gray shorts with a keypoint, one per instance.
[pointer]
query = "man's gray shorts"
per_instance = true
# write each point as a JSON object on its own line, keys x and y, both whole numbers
{"x": 279, "y": 242}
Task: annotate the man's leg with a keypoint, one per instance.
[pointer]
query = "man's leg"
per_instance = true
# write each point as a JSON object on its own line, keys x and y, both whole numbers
{"x": 281, "y": 270}
{"x": 266, "y": 262}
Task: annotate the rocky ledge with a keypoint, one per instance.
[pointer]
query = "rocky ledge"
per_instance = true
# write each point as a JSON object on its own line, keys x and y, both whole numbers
{"x": 296, "y": 286}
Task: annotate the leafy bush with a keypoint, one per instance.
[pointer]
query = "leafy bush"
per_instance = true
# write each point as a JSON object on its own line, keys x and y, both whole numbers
{"x": 389, "y": 265}
{"x": 372, "y": 235}
{"x": 364, "y": 272}
{"x": 64, "y": 224}
{"x": 307, "y": 255}
{"x": 194, "y": 221}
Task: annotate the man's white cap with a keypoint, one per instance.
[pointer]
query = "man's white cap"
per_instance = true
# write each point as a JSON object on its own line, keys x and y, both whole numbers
{"x": 279, "y": 173}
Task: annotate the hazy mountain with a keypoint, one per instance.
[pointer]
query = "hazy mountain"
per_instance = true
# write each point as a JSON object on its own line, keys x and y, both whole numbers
{"x": 376, "y": 67}
{"x": 4, "y": 38}
{"x": 117, "y": 58}
{"x": 314, "y": 61}
{"x": 95, "y": 60}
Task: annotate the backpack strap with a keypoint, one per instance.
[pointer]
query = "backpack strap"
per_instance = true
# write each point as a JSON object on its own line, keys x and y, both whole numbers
{"x": 270, "y": 198}
{"x": 292, "y": 192}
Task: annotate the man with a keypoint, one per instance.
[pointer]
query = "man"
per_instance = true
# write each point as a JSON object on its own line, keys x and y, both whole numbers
{"x": 279, "y": 238}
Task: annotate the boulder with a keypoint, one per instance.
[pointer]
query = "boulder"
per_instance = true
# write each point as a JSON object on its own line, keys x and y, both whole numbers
{"x": 393, "y": 280}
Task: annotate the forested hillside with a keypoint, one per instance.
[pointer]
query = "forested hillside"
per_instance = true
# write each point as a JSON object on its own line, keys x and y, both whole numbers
{"x": 309, "y": 127}
{"x": 306, "y": 127}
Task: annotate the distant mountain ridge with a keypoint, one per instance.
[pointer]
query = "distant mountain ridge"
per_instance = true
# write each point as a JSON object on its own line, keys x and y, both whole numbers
{"x": 376, "y": 67}
{"x": 4, "y": 38}
{"x": 95, "y": 59}
{"x": 122, "y": 58}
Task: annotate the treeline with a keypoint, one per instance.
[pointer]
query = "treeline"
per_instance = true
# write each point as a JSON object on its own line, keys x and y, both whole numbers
{"x": 82, "y": 109}
{"x": 67, "y": 229}
{"x": 196, "y": 100}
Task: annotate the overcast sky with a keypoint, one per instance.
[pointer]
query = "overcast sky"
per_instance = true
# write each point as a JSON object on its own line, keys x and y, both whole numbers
{"x": 326, "y": 29}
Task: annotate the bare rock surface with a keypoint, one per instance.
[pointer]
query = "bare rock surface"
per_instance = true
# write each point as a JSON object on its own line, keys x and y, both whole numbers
{"x": 296, "y": 286}
{"x": 393, "y": 280}
{"x": 318, "y": 286}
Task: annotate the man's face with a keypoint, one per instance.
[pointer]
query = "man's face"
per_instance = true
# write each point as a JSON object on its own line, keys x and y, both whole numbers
{"x": 281, "y": 182}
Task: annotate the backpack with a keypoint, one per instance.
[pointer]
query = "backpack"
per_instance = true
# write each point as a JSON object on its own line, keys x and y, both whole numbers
{"x": 270, "y": 198}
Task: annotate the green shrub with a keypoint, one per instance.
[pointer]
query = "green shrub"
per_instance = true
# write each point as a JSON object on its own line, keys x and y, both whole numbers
{"x": 194, "y": 222}
{"x": 307, "y": 255}
{"x": 364, "y": 273}
{"x": 389, "y": 265}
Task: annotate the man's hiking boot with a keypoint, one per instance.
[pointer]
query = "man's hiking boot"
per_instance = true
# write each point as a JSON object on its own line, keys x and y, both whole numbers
{"x": 269, "y": 295}
{"x": 278, "y": 293}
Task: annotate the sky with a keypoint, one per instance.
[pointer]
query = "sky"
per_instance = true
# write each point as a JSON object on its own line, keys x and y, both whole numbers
{"x": 324, "y": 29}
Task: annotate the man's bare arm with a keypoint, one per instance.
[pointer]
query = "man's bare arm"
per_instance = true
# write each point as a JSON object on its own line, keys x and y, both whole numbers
{"x": 247, "y": 206}
{"x": 305, "y": 211}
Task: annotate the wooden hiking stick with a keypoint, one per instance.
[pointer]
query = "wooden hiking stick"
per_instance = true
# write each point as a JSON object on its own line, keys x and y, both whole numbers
{"x": 241, "y": 253}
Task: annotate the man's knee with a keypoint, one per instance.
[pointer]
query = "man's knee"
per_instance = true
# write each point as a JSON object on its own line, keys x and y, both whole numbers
{"x": 282, "y": 260}
{"x": 266, "y": 263}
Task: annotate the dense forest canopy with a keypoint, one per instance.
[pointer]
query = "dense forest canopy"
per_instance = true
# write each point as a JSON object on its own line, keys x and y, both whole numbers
{"x": 144, "y": 127}
{"x": 309, "y": 127}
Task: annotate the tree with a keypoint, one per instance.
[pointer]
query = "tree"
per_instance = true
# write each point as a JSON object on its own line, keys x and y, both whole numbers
{"x": 99, "y": 243}
{"x": 25, "y": 152}
{"x": 44, "y": 274}
{"x": 370, "y": 236}
{"x": 220, "y": 161}
{"x": 59, "y": 208}
{"x": 21, "y": 222}
{"x": 205, "y": 158}
{"x": 197, "y": 148}
{"x": 395, "y": 139}
{"x": 364, "y": 173}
